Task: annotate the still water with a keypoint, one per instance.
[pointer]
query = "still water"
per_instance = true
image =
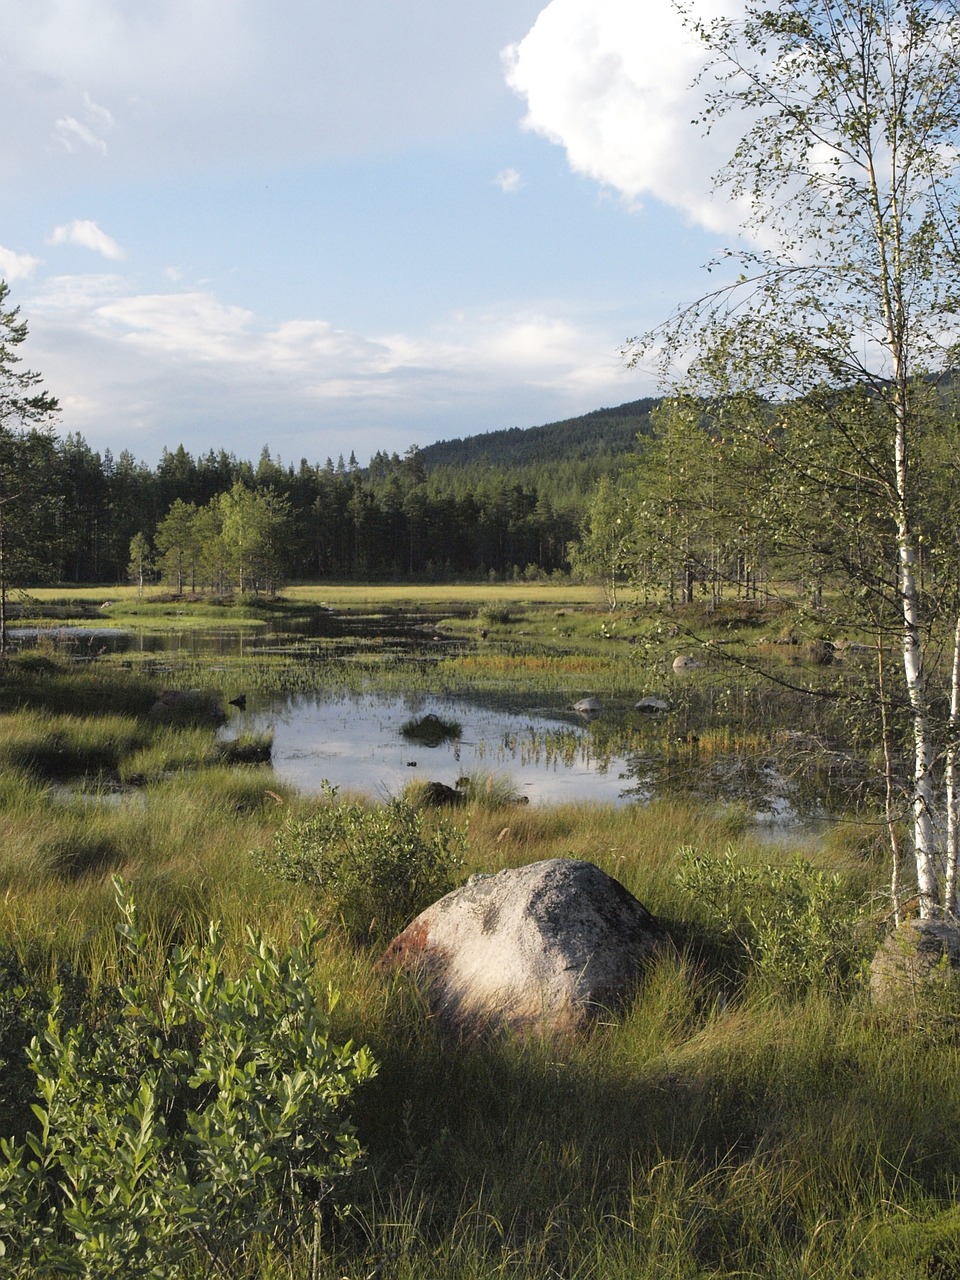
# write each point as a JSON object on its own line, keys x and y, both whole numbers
{"x": 547, "y": 754}
{"x": 355, "y": 742}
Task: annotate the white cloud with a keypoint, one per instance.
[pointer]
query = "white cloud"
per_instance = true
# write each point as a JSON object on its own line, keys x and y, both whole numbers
{"x": 162, "y": 366}
{"x": 611, "y": 82}
{"x": 97, "y": 114}
{"x": 193, "y": 84}
{"x": 509, "y": 181}
{"x": 69, "y": 131}
{"x": 87, "y": 235}
{"x": 16, "y": 266}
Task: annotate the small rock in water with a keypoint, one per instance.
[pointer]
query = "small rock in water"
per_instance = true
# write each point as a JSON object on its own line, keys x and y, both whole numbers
{"x": 588, "y": 706}
{"x": 653, "y": 706}
{"x": 684, "y": 662}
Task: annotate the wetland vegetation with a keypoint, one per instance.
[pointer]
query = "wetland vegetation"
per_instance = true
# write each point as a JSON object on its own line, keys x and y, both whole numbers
{"x": 748, "y": 1115}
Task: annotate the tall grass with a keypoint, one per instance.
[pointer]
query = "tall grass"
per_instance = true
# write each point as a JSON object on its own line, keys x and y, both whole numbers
{"x": 711, "y": 1131}
{"x": 720, "y": 1127}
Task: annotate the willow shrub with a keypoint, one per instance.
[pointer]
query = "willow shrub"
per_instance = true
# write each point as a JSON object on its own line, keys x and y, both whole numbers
{"x": 376, "y": 867}
{"x": 197, "y": 1116}
{"x": 797, "y": 926}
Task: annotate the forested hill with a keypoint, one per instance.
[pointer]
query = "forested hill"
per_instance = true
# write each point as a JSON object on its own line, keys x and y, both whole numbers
{"x": 503, "y": 503}
{"x": 603, "y": 432}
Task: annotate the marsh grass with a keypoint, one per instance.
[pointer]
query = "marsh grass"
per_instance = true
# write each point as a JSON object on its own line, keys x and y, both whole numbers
{"x": 57, "y": 746}
{"x": 490, "y": 791}
{"x": 246, "y": 748}
{"x": 431, "y": 730}
{"x": 718, "y": 1127}
{"x": 714, "y": 1129}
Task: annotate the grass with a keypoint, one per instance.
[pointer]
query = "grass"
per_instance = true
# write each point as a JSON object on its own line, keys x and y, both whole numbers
{"x": 430, "y": 730}
{"x": 720, "y": 1128}
{"x": 709, "y": 1132}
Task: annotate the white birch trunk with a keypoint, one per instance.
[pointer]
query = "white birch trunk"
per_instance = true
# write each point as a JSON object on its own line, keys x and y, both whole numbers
{"x": 950, "y": 778}
{"x": 890, "y": 811}
{"x": 923, "y": 801}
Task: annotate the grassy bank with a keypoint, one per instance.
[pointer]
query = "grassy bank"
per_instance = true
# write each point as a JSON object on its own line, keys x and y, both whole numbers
{"x": 749, "y": 1114}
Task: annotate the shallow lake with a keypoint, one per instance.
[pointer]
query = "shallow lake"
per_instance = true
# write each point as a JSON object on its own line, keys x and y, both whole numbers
{"x": 355, "y": 742}
{"x": 548, "y": 754}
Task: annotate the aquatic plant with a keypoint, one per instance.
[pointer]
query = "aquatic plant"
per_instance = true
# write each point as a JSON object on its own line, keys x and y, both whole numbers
{"x": 430, "y": 730}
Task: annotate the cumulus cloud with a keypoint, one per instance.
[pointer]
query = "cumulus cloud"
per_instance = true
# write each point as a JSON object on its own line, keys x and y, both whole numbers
{"x": 87, "y": 235}
{"x": 162, "y": 363}
{"x": 509, "y": 180}
{"x": 16, "y": 266}
{"x": 611, "y": 82}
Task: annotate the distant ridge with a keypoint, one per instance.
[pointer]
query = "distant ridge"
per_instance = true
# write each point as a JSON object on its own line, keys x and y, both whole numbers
{"x": 600, "y": 433}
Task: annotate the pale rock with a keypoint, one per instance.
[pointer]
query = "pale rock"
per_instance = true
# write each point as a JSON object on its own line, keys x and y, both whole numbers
{"x": 549, "y": 946}
{"x": 918, "y": 956}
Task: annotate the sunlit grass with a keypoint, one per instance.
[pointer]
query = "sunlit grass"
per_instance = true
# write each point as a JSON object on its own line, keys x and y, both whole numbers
{"x": 716, "y": 1128}
{"x": 707, "y": 1131}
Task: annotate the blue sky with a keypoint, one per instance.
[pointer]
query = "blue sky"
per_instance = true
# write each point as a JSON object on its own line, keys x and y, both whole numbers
{"x": 333, "y": 228}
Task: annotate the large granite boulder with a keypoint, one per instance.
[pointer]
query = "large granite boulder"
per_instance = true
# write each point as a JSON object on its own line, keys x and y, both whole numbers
{"x": 547, "y": 946}
{"x": 920, "y": 955}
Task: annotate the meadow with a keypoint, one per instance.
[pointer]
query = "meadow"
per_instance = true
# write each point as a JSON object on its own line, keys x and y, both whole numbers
{"x": 749, "y": 1113}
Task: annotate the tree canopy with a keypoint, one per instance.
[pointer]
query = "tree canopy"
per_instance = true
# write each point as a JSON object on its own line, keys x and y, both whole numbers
{"x": 847, "y": 288}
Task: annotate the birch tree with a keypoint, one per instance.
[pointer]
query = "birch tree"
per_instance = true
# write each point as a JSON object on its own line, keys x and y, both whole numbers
{"x": 848, "y": 175}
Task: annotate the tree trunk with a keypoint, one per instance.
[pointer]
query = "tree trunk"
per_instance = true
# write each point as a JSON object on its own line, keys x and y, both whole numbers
{"x": 923, "y": 793}
{"x": 889, "y": 808}
{"x": 950, "y": 778}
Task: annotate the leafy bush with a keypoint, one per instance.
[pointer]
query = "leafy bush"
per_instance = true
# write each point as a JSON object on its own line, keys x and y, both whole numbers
{"x": 196, "y": 1117}
{"x": 496, "y": 615}
{"x": 797, "y": 926}
{"x": 377, "y": 867}
{"x": 24, "y": 1005}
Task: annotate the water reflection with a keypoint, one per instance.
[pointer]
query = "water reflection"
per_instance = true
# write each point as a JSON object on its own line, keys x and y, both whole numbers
{"x": 354, "y": 741}
{"x": 717, "y": 743}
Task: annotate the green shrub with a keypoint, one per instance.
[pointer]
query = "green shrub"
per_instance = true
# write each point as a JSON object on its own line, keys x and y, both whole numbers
{"x": 196, "y": 1116}
{"x": 24, "y": 1005}
{"x": 377, "y": 867}
{"x": 496, "y": 615}
{"x": 798, "y": 927}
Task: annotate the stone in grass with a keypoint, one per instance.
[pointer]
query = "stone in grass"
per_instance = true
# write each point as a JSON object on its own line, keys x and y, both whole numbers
{"x": 685, "y": 662}
{"x": 916, "y": 958}
{"x": 653, "y": 706}
{"x": 545, "y": 947}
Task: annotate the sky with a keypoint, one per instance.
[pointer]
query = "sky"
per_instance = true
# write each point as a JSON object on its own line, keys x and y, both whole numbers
{"x": 332, "y": 228}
